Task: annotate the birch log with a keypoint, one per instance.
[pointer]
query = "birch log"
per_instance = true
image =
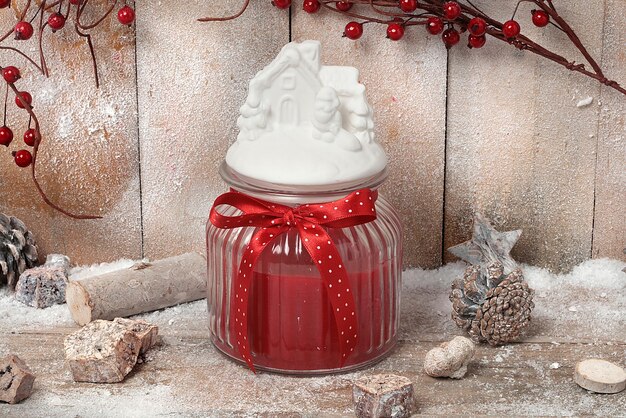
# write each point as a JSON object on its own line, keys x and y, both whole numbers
{"x": 141, "y": 288}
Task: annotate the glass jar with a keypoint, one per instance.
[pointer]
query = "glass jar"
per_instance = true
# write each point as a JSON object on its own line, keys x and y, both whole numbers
{"x": 291, "y": 327}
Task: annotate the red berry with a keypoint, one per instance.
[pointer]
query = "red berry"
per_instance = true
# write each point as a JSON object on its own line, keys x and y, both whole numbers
{"x": 451, "y": 10}
{"x": 282, "y": 4}
{"x": 477, "y": 26}
{"x": 56, "y": 21}
{"x": 23, "y": 158}
{"x": 4, "y": 3}
{"x": 450, "y": 37}
{"x": 75, "y": 1}
{"x": 29, "y": 137}
{"x": 434, "y": 25}
{"x": 395, "y": 31}
{"x": 23, "y": 30}
{"x": 408, "y": 6}
{"x": 540, "y": 18}
{"x": 27, "y": 98}
{"x": 311, "y": 6}
{"x": 343, "y": 6}
{"x": 510, "y": 29}
{"x": 11, "y": 74}
{"x": 126, "y": 15}
{"x": 354, "y": 30}
{"x": 6, "y": 136}
{"x": 476, "y": 41}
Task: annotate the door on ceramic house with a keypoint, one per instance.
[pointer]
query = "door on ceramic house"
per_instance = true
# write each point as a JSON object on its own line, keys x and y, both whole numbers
{"x": 288, "y": 111}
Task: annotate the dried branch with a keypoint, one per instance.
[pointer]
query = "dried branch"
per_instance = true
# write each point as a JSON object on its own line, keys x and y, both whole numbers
{"x": 222, "y": 19}
{"x": 37, "y": 128}
{"x": 81, "y": 8}
{"x": 82, "y": 29}
{"x": 388, "y": 11}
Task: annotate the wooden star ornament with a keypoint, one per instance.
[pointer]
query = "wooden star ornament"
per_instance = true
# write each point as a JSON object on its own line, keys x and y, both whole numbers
{"x": 488, "y": 245}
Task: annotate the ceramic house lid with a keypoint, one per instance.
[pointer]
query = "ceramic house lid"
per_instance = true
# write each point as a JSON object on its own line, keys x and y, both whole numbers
{"x": 306, "y": 124}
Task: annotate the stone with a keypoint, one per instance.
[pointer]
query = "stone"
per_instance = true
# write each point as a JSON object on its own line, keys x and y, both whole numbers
{"x": 383, "y": 396}
{"x": 58, "y": 260}
{"x": 16, "y": 380}
{"x": 600, "y": 376}
{"x": 41, "y": 287}
{"x": 450, "y": 359}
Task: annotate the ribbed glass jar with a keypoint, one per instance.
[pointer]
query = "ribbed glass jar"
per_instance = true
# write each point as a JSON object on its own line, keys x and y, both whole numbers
{"x": 291, "y": 324}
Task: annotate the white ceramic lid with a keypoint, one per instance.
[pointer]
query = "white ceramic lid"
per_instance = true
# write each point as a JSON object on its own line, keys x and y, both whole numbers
{"x": 306, "y": 124}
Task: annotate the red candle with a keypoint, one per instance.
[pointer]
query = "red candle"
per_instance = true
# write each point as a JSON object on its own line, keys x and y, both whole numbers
{"x": 292, "y": 327}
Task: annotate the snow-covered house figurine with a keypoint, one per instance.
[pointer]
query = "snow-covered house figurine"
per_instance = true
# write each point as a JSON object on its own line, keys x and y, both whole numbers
{"x": 295, "y": 106}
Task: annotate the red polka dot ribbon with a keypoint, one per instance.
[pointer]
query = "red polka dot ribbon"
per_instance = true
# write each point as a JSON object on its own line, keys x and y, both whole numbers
{"x": 311, "y": 219}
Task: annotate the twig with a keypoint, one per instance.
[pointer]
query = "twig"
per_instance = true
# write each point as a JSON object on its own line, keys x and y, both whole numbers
{"x": 81, "y": 30}
{"x": 42, "y": 26}
{"x": 79, "y": 12}
{"x": 469, "y": 10}
{"x": 42, "y": 193}
{"x": 93, "y": 53}
{"x": 222, "y": 19}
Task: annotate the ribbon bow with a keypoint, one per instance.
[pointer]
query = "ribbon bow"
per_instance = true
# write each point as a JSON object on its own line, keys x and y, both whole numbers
{"x": 272, "y": 220}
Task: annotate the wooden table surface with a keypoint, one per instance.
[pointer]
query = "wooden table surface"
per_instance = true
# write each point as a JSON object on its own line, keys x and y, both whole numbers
{"x": 187, "y": 376}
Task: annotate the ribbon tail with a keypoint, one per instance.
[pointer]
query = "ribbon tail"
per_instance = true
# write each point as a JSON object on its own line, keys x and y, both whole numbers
{"x": 242, "y": 286}
{"x": 334, "y": 276}
{"x": 239, "y": 311}
{"x": 346, "y": 320}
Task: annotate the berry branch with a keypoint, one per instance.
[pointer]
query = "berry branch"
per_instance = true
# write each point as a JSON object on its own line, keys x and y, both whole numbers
{"x": 46, "y": 14}
{"x": 449, "y": 19}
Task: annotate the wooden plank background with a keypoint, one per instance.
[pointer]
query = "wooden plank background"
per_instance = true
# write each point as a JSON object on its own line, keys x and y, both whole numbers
{"x": 88, "y": 160}
{"x": 494, "y": 129}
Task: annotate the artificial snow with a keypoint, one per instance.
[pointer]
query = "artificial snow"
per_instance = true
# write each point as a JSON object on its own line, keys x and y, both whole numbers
{"x": 594, "y": 291}
{"x": 19, "y": 315}
{"x": 84, "y": 272}
{"x": 584, "y": 102}
{"x": 596, "y": 288}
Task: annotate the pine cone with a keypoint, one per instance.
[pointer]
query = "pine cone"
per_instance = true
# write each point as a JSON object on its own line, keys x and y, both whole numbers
{"x": 493, "y": 307}
{"x": 17, "y": 249}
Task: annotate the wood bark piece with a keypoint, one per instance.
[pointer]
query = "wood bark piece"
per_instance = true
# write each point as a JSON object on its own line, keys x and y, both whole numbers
{"x": 142, "y": 288}
{"x": 600, "y": 376}
{"x": 41, "y": 287}
{"x": 147, "y": 333}
{"x": 106, "y": 351}
{"x": 383, "y": 396}
{"x": 16, "y": 380}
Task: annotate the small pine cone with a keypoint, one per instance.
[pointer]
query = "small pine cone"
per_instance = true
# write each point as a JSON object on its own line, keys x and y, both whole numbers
{"x": 505, "y": 312}
{"x": 18, "y": 251}
{"x": 464, "y": 305}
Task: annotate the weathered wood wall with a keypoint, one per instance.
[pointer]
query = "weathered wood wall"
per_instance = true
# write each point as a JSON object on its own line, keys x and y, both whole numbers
{"x": 494, "y": 129}
{"x": 88, "y": 162}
